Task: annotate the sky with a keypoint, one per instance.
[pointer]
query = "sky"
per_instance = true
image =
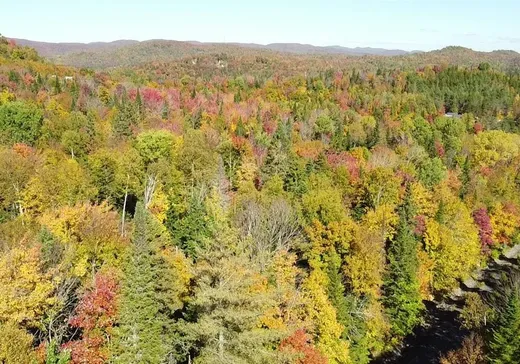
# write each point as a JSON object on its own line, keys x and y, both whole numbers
{"x": 393, "y": 24}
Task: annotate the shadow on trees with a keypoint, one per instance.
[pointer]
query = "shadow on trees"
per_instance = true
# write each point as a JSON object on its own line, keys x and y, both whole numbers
{"x": 440, "y": 334}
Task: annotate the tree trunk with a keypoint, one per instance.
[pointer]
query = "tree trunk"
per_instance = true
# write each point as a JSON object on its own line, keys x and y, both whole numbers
{"x": 221, "y": 345}
{"x": 124, "y": 212}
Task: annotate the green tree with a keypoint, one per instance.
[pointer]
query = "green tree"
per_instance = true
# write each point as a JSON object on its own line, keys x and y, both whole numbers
{"x": 402, "y": 297}
{"x": 148, "y": 298}
{"x": 504, "y": 344}
{"x": 223, "y": 321}
{"x": 20, "y": 123}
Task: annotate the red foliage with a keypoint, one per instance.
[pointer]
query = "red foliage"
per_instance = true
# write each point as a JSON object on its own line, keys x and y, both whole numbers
{"x": 239, "y": 142}
{"x": 420, "y": 225}
{"x": 478, "y": 127}
{"x": 152, "y": 99}
{"x": 439, "y": 148}
{"x": 95, "y": 315}
{"x": 28, "y": 79}
{"x": 23, "y": 149}
{"x": 300, "y": 343}
{"x": 260, "y": 154}
{"x": 347, "y": 160}
{"x": 485, "y": 229}
{"x": 173, "y": 98}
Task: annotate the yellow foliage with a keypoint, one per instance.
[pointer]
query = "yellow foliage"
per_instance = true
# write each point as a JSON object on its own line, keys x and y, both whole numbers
{"x": 26, "y": 292}
{"x": 90, "y": 234}
{"x": 494, "y": 146}
{"x": 425, "y": 274}
{"x": 247, "y": 172}
{"x": 364, "y": 267}
{"x": 336, "y": 236}
{"x": 291, "y": 302}
{"x": 15, "y": 345}
{"x": 504, "y": 224}
{"x": 159, "y": 204}
{"x": 327, "y": 330}
{"x": 378, "y": 327}
{"x": 180, "y": 270}
{"x": 310, "y": 149}
{"x": 59, "y": 183}
{"x": 454, "y": 249}
{"x": 6, "y": 96}
{"x": 381, "y": 221}
{"x": 423, "y": 200}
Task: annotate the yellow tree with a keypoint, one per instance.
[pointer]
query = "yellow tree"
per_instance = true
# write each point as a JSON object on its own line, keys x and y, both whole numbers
{"x": 15, "y": 345}
{"x": 26, "y": 289}
{"x": 326, "y": 329}
{"x": 90, "y": 236}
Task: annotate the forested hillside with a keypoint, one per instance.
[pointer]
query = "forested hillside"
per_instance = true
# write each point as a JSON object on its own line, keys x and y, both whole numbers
{"x": 295, "y": 57}
{"x": 254, "y": 208}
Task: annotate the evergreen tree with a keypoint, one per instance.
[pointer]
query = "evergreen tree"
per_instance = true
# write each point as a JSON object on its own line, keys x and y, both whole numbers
{"x": 57, "y": 85}
{"x": 165, "y": 111}
{"x": 402, "y": 298}
{"x": 241, "y": 129}
{"x": 127, "y": 116}
{"x": 227, "y": 315}
{"x": 144, "y": 334}
{"x": 504, "y": 342}
{"x": 139, "y": 105}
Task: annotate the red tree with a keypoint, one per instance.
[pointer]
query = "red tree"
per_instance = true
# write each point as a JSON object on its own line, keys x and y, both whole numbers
{"x": 300, "y": 344}
{"x": 485, "y": 229}
{"x": 95, "y": 316}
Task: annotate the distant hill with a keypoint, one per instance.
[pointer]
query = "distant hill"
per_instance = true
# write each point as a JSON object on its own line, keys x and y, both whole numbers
{"x": 299, "y": 48}
{"x": 131, "y": 53}
{"x": 54, "y": 49}
{"x": 47, "y": 49}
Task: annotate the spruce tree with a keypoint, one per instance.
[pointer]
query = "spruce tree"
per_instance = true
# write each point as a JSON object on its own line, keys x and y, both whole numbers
{"x": 402, "y": 298}
{"x": 126, "y": 117}
{"x": 144, "y": 331}
{"x": 504, "y": 341}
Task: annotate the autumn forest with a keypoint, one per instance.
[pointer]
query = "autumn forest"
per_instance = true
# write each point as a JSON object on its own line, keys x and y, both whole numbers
{"x": 237, "y": 205}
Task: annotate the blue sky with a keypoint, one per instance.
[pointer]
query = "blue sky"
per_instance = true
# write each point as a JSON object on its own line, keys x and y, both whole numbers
{"x": 405, "y": 24}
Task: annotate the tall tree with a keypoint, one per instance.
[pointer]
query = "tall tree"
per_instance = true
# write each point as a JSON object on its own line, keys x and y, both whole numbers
{"x": 402, "y": 297}
{"x": 150, "y": 296}
{"x": 504, "y": 342}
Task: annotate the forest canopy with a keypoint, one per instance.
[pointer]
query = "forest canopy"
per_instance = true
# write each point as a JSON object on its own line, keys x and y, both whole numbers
{"x": 218, "y": 213}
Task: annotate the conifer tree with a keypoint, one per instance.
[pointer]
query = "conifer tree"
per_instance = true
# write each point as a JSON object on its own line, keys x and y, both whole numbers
{"x": 504, "y": 342}
{"x": 149, "y": 296}
{"x": 402, "y": 296}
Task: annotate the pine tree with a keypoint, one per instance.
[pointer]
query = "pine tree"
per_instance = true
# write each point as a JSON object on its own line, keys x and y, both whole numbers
{"x": 504, "y": 343}
{"x": 165, "y": 111}
{"x": 144, "y": 334}
{"x": 224, "y": 319}
{"x": 401, "y": 289}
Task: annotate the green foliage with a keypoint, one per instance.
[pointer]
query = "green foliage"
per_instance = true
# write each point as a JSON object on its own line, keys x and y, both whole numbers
{"x": 402, "y": 298}
{"x": 432, "y": 172}
{"x": 504, "y": 345}
{"x": 145, "y": 318}
{"x": 154, "y": 145}
{"x": 223, "y": 320}
{"x": 20, "y": 122}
